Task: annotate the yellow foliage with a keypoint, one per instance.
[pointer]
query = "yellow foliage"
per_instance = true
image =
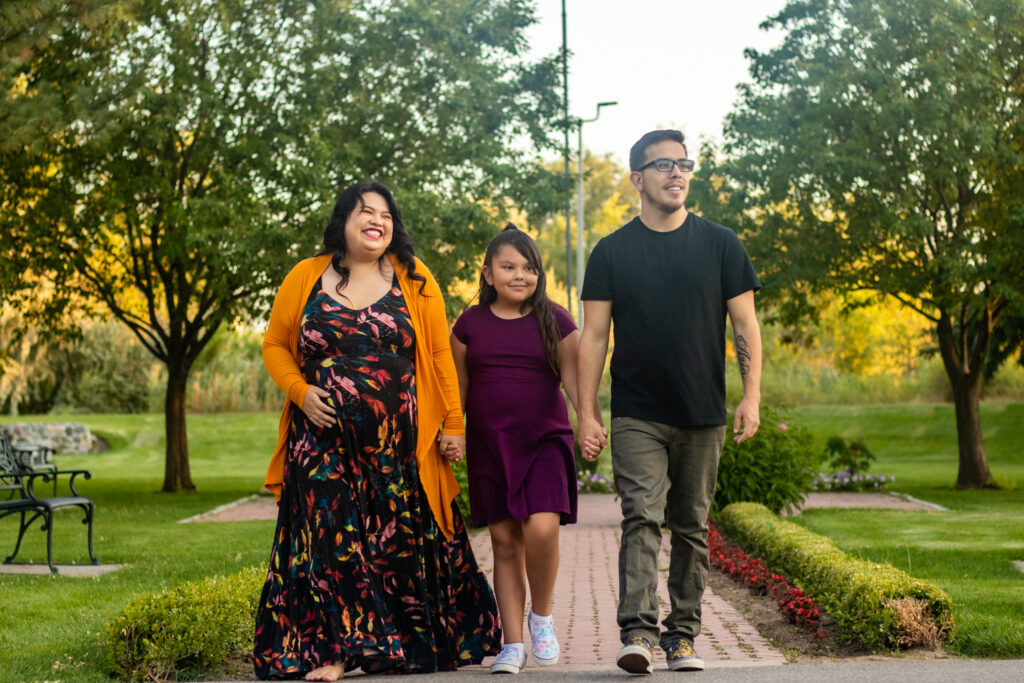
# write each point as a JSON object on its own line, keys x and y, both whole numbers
{"x": 880, "y": 338}
{"x": 883, "y": 338}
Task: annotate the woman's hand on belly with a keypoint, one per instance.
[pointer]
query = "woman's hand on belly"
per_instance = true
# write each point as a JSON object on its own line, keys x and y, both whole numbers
{"x": 315, "y": 406}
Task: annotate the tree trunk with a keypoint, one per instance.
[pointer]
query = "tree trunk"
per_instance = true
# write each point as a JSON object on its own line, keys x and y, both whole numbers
{"x": 973, "y": 472}
{"x": 965, "y": 378}
{"x": 177, "y": 474}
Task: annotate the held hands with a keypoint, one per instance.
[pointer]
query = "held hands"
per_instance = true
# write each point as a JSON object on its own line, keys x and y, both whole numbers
{"x": 592, "y": 436}
{"x": 452, "y": 446}
{"x": 748, "y": 419}
{"x": 316, "y": 408}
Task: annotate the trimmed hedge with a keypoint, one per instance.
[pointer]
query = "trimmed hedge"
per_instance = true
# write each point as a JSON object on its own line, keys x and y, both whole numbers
{"x": 875, "y": 604}
{"x": 189, "y": 629}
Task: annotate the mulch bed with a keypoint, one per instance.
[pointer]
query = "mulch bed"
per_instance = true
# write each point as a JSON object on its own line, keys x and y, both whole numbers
{"x": 795, "y": 642}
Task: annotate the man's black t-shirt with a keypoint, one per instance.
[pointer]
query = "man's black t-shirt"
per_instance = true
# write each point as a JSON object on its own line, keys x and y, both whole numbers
{"x": 668, "y": 292}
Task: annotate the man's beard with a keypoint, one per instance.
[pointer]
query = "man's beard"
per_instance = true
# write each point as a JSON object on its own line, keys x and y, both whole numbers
{"x": 665, "y": 206}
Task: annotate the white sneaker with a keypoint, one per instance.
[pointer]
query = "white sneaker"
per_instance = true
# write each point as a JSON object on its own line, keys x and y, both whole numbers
{"x": 511, "y": 659}
{"x": 543, "y": 643}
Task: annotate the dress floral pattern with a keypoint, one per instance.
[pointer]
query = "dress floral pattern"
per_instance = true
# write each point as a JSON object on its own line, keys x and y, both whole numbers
{"x": 359, "y": 571}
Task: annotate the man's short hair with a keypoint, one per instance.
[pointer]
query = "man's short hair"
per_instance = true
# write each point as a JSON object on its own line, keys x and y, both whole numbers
{"x": 639, "y": 149}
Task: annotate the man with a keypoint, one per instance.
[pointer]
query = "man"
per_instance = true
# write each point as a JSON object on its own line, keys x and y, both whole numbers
{"x": 667, "y": 279}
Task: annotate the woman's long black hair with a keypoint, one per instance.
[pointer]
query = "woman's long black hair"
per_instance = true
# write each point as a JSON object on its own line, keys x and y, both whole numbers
{"x": 350, "y": 199}
{"x": 542, "y": 305}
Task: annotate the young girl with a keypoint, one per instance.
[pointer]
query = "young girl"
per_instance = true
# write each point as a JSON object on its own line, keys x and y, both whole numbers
{"x": 512, "y": 351}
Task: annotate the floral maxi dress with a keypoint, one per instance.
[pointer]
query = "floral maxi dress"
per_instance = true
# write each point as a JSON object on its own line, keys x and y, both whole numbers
{"x": 359, "y": 571}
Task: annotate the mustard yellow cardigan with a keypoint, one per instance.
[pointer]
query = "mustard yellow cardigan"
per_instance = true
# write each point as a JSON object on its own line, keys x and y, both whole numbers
{"x": 437, "y": 386}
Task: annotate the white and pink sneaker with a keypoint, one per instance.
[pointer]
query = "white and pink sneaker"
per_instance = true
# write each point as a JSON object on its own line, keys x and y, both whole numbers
{"x": 511, "y": 659}
{"x": 543, "y": 643}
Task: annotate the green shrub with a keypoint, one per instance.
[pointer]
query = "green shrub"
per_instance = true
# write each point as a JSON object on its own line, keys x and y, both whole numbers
{"x": 775, "y": 467}
{"x": 850, "y": 460}
{"x": 849, "y": 455}
{"x": 189, "y": 629}
{"x": 462, "y": 476}
{"x": 1007, "y": 383}
{"x": 875, "y": 604}
{"x": 229, "y": 375}
{"x": 109, "y": 371}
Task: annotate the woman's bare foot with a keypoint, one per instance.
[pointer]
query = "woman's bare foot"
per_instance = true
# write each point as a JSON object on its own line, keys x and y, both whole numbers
{"x": 331, "y": 672}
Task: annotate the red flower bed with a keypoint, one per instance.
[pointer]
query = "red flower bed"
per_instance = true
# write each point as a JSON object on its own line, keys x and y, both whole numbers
{"x": 799, "y": 608}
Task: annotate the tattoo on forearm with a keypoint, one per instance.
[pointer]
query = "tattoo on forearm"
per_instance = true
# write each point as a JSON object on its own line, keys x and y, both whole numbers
{"x": 743, "y": 355}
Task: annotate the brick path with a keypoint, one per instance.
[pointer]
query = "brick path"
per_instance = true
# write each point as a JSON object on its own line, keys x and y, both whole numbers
{"x": 586, "y": 595}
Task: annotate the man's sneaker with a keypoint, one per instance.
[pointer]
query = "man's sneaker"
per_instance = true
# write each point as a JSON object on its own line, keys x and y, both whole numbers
{"x": 511, "y": 659}
{"x": 681, "y": 657}
{"x": 543, "y": 643}
{"x": 635, "y": 657}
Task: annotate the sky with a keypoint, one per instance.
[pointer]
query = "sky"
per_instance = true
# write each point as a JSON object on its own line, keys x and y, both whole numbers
{"x": 668, "y": 63}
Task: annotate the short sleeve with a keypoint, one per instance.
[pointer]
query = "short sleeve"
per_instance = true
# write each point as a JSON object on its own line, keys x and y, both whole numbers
{"x": 738, "y": 275}
{"x": 597, "y": 279}
{"x": 564, "y": 321}
{"x": 459, "y": 328}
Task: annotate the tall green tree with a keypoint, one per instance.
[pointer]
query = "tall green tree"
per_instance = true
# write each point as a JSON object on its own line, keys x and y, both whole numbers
{"x": 205, "y": 141}
{"x": 881, "y": 147}
{"x": 38, "y": 103}
{"x": 608, "y": 200}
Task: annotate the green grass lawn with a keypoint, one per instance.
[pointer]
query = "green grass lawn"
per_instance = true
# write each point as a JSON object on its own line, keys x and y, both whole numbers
{"x": 52, "y": 626}
{"x": 970, "y": 549}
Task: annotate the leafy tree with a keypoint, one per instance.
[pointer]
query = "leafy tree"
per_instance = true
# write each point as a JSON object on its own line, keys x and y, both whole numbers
{"x": 204, "y": 142}
{"x": 608, "y": 201}
{"x": 38, "y": 104}
{"x": 1007, "y": 342}
{"x": 28, "y": 383}
{"x": 881, "y": 148}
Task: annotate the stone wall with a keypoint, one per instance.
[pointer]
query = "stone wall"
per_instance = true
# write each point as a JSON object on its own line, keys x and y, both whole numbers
{"x": 64, "y": 437}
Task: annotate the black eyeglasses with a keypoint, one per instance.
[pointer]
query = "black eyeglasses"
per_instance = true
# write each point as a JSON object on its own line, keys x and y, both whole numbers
{"x": 665, "y": 165}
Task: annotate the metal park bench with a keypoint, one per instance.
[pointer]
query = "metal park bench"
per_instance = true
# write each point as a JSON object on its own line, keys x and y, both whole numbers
{"x": 18, "y": 496}
{"x": 33, "y": 457}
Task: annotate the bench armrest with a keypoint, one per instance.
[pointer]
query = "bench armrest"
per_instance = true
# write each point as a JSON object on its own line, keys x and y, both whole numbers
{"x": 46, "y": 476}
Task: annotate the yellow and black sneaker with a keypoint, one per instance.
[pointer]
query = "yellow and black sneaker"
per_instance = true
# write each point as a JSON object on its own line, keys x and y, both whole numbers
{"x": 636, "y": 656}
{"x": 681, "y": 657}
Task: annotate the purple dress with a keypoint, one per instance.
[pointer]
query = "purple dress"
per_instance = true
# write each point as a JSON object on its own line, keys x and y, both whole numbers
{"x": 519, "y": 442}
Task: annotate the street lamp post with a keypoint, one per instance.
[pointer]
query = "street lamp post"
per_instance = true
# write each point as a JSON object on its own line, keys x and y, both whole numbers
{"x": 565, "y": 154}
{"x": 579, "y": 209}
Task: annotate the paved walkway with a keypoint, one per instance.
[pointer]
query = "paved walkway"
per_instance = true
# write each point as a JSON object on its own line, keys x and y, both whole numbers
{"x": 586, "y": 596}
{"x": 77, "y": 570}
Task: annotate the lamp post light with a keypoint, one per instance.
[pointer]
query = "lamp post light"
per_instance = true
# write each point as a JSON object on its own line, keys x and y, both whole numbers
{"x": 579, "y": 209}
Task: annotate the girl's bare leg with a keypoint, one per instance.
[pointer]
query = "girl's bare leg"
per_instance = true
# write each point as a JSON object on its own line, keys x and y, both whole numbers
{"x": 509, "y": 576}
{"x": 540, "y": 536}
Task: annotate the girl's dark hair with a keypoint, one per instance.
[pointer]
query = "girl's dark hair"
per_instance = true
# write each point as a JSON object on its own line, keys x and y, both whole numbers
{"x": 351, "y": 199}
{"x": 543, "y": 307}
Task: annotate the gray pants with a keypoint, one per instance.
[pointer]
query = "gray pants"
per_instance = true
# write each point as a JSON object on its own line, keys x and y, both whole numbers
{"x": 663, "y": 469}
